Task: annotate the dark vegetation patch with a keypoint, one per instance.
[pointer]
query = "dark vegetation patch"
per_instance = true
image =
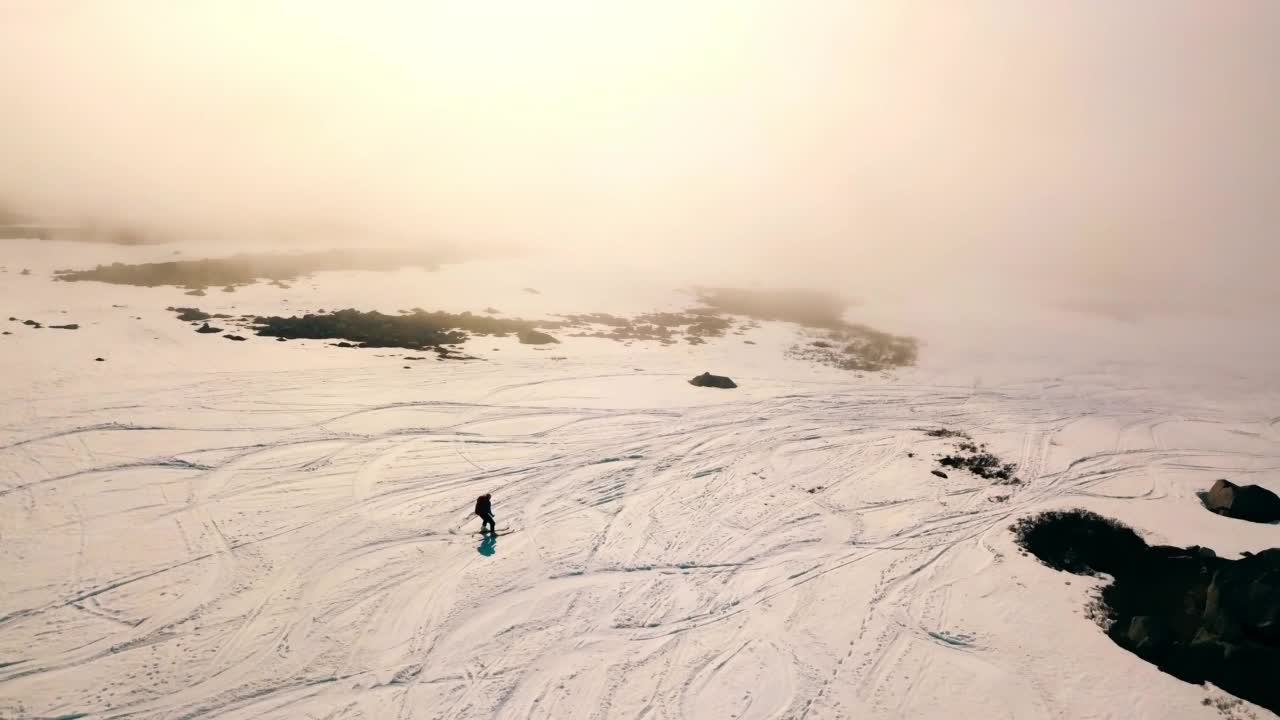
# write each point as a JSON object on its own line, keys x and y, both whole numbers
{"x": 844, "y": 345}
{"x": 848, "y": 346}
{"x": 858, "y": 347}
{"x": 246, "y": 268}
{"x": 664, "y": 327}
{"x": 974, "y": 457}
{"x": 1193, "y": 614}
{"x": 188, "y": 314}
{"x": 417, "y": 330}
{"x": 981, "y": 462}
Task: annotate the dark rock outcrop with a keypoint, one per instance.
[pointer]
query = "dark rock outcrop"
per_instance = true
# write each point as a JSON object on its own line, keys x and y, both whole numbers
{"x": 1243, "y": 502}
{"x": 234, "y": 337}
{"x": 32, "y": 323}
{"x": 1193, "y": 614}
{"x": 68, "y": 326}
{"x": 940, "y": 474}
{"x": 706, "y": 379}
{"x": 206, "y": 329}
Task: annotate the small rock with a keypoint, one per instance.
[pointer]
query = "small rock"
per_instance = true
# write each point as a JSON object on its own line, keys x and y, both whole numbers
{"x": 99, "y": 360}
{"x": 197, "y": 292}
{"x": 234, "y": 337}
{"x": 940, "y": 474}
{"x": 531, "y": 291}
{"x": 206, "y": 329}
{"x": 68, "y": 326}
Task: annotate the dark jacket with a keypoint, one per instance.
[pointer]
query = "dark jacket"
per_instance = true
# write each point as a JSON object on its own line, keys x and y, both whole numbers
{"x": 482, "y": 505}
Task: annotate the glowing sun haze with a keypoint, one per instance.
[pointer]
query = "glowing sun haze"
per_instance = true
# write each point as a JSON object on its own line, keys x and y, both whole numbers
{"x": 1124, "y": 146}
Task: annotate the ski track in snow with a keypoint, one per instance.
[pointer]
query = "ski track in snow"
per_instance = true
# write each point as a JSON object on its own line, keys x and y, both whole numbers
{"x": 312, "y": 556}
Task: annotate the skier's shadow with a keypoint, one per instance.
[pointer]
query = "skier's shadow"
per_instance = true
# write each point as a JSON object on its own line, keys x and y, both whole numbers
{"x": 488, "y": 546}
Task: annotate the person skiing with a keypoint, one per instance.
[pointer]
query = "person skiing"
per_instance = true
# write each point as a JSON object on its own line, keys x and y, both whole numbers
{"x": 486, "y": 514}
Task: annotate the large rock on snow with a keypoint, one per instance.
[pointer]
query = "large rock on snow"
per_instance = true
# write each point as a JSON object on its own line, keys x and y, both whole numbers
{"x": 206, "y": 329}
{"x": 706, "y": 379}
{"x": 1243, "y": 502}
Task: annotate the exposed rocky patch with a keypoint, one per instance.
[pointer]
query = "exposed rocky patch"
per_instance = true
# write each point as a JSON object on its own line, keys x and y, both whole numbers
{"x": 417, "y": 330}
{"x": 234, "y": 337}
{"x": 1193, "y": 614}
{"x": 846, "y": 346}
{"x": 974, "y": 457}
{"x": 229, "y": 272}
{"x": 840, "y": 344}
{"x": 205, "y": 328}
{"x": 706, "y": 379}
{"x": 534, "y": 337}
{"x": 665, "y": 328}
{"x": 860, "y": 348}
{"x": 188, "y": 314}
{"x": 1242, "y": 502}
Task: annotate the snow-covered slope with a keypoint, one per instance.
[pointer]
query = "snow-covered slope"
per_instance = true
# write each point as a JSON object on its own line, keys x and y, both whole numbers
{"x": 201, "y": 528}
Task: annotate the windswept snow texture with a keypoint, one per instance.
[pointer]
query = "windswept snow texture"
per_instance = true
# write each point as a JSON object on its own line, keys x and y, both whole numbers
{"x": 201, "y": 529}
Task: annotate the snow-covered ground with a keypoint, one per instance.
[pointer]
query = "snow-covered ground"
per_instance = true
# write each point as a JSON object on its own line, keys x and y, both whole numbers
{"x": 203, "y": 528}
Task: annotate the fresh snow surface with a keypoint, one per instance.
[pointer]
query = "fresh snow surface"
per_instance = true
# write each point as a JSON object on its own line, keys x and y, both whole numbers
{"x": 201, "y": 528}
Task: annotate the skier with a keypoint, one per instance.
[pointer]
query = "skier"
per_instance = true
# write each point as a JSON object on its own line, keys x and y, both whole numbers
{"x": 486, "y": 514}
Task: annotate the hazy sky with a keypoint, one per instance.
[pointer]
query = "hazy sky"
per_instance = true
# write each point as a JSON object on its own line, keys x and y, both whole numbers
{"x": 1122, "y": 147}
